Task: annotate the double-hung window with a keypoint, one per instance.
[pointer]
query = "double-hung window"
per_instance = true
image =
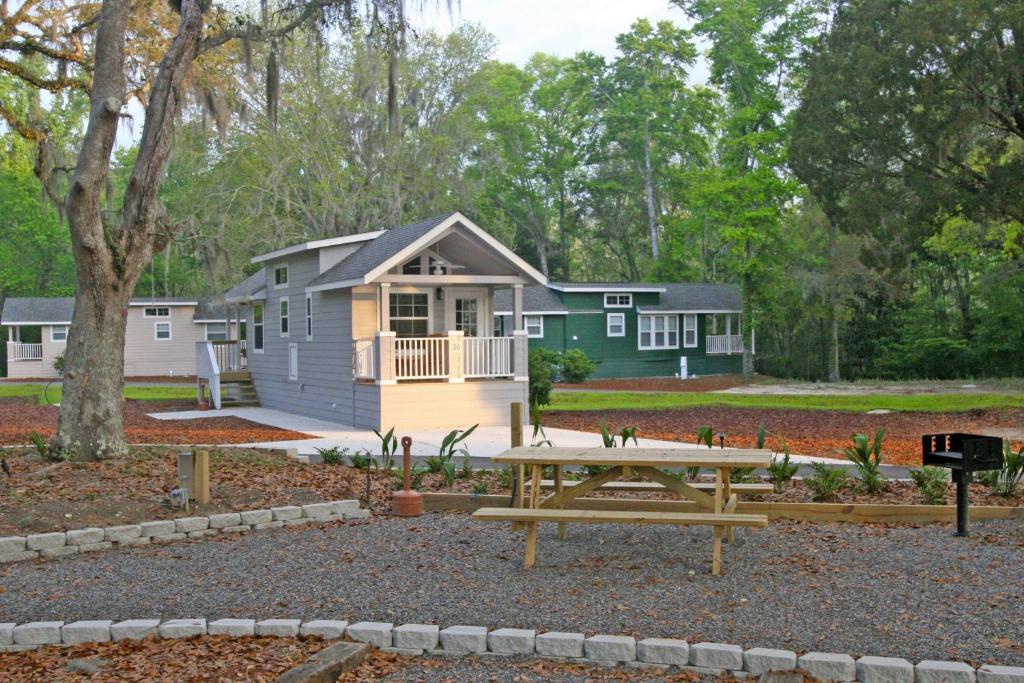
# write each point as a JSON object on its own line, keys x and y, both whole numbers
{"x": 59, "y": 333}
{"x": 658, "y": 332}
{"x": 257, "y": 327}
{"x": 618, "y": 300}
{"x": 690, "y": 330}
{"x": 156, "y": 312}
{"x": 216, "y": 331}
{"x": 534, "y": 326}
{"x": 616, "y": 324}
{"x": 280, "y": 277}
{"x": 162, "y": 331}
{"x": 283, "y": 312}
{"x": 309, "y": 316}
{"x": 409, "y": 314}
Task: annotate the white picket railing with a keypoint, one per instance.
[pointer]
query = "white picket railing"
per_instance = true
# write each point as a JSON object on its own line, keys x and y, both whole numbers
{"x": 230, "y": 355}
{"x": 364, "y": 359}
{"x": 724, "y": 343}
{"x": 488, "y": 357}
{"x": 421, "y": 358}
{"x": 19, "y": 351}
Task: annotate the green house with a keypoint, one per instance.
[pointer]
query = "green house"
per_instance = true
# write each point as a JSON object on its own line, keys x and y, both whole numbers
{"x": 634, "y": 329}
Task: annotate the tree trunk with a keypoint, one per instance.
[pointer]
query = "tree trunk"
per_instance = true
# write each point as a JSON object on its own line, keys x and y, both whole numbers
{"x": 652, "y": 216}
{"x": 833, "y": 310}
{"x": 748, "y": 314}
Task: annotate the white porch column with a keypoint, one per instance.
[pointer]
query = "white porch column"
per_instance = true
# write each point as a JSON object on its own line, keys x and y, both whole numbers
{"x": 384, "y": 307}
{"x": 521, "y": 357}
{"x": 517, "y": 308}
{"x": 384, "y": 350}
{"x": 10, "y": 334}
{"x": 456, "y": 356}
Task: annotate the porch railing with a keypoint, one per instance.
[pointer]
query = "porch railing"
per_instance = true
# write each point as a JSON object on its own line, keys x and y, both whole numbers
{"x": 17, "y": 351}
{"x": 454, "y": 358}
{"x": 724, "y": 344}
{"x": 230, "y": 354}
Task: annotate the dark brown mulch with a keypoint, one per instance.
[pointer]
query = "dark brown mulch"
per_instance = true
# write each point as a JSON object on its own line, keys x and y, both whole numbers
{"x": 700, "y": 384}
{"x": 201, "y": 658}
{"x": 21, "y": 416}
{"x": 807, "y": 432}
{"x": 40, "y": 496}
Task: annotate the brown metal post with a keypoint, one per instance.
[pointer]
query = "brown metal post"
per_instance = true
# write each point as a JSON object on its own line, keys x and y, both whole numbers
{"x": 407, "y": 503}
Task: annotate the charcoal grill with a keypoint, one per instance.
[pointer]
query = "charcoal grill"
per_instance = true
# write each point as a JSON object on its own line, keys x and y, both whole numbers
{"x": 964, "y": 454}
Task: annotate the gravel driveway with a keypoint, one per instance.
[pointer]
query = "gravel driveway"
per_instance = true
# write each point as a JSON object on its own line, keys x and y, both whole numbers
{"x": 916, "y": 592}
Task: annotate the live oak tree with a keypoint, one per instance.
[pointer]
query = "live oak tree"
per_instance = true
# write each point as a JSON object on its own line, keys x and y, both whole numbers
{"x": 116, "y": 51}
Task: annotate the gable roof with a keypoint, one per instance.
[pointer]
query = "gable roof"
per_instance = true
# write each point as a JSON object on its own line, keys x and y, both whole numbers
{"x": 35, "y": 310}
{"x": 395, "y": 244}
{"x": 697, "y": 297}
{"x": 317, "y": 244}
{"x": 252, "y": 287}
{"x": 536, "y": 299}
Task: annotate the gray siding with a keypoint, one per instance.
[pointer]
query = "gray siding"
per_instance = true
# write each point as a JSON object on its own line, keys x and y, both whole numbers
{"x": 324, "y": 387}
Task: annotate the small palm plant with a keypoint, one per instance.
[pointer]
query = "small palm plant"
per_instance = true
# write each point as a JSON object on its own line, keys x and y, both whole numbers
{"x": 868, "y": 459}
{"x": 826, "y": 482}
{"x": 538, "y": 430}
{"x": 932, "y": 482}
{"x": 1006, "y": 480}
{"x": 624, "y": 435}
{"x": 781, "y": 470}
{"x": 388, "y": 448}
{"x": 706, "y": 436}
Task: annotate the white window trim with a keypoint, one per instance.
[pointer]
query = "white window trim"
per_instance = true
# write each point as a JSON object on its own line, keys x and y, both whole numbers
{"x": 287, "y": 316}
{"x": 206, "y": 333}
{"x": 696, "y": 339}
{"x": 430, "y": 309}
{"x": 526, "y": 326}
{"x": 293, "y": 373}
{"x": 66, "y": 328}
{"x": 628, "y": 304}
{"x": 287, "y": 276}
{"x": 652, "y": 316}
{"x": 262, "y": 326}
{"x": 309, "y": 317}
{"x": 170, "y": 331}
{"x": 147, "y": 309}
{"x": 608, "y": 324}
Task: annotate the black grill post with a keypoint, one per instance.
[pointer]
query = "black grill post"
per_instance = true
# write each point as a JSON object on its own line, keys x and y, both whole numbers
{"x": 962, "y": 479}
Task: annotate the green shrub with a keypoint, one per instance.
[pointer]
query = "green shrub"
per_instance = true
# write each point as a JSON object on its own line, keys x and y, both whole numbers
{"x": 781, "y": 470}
{"x": 1005, "y": 481}
{"x": 932, "y": 483}
{"x": 333, "y": 455}
{"x": 706, "y": 436}
{"x": 538, "y": 429}
{"x": 741, "y": 475}
{"x": 762, "y": 435}
{"x": 480, "y": 488}
{"x": 388, "y": 448}
{"x": 59, "y": 364}
{"x": 625, "y": 434}
{"x": 543, "y": 363}
{"x": 867, "y": 458}
{"x": 576, "y": 366}
{"x": 361, "y": 460}
{"x": 826, "y": 482}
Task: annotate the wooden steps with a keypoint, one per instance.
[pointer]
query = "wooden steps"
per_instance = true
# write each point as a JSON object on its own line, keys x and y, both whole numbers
{"x": 239, "y": 390}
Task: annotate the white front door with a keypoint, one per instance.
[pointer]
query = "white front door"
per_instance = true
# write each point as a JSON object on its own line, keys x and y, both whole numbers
{"x": 468, "y": 311}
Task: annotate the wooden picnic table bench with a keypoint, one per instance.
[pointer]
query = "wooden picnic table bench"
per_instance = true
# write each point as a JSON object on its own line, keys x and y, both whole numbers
{"x": 717, "y": 509}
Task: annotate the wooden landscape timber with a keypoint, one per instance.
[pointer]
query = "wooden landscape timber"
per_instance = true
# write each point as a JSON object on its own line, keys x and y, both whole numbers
{"x": 804, "y": 512}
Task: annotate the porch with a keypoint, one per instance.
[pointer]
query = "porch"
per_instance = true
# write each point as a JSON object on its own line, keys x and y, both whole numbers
{"x": 723, "y": 344}
{"x": 20, "y": 351}
{"x": 452, "y": 357}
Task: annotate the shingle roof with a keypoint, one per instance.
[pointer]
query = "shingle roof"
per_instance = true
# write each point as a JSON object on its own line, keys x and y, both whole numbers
{"x": 702, "y": 296}
{"x": 600, "y": 286}
{"x": 374, "y": 253}
{"x": 22, "y": 310}
{"x": 252, "y": 287}
{"x": 536, "y": 298}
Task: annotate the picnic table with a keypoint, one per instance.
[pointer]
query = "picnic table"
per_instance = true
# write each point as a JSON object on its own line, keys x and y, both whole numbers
{"x": 717, "y": 508}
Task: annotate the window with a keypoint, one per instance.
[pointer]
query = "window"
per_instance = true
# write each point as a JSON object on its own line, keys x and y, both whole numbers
{"x": 59, "y": 333}
{"x": 689, "y": 330}
{"x": 257, "y": 328}
{"x": 161, "y": 331}
{"x": 618, "y": 300}
{"x": 216, "y": 331}
{"x": 283, "y": 305}
{"x": 413, "y": 267}
{"x": 409, "y": 313}
{"x": 309, "y": 316}
{"x": 534, "y": 326}
{"x": 280, "y": 277}
{"x": 293, "y": 362}
{"x": 157, "y": 312}
{"x": 616, "y": 325}
{"x": 658, "y": 332}
{"x": 466, "y": 318}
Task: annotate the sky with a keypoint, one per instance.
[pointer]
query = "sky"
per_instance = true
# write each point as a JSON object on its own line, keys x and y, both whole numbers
{"x": 560, "y": 27}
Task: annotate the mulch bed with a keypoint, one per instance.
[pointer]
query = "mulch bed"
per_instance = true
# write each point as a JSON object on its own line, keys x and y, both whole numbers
{"x": 21, "y": 416}
{"x": 701, "y": 384}
{"x": 40, "y": 496}
{"x": 808, "y": 432}
{"x": 201, "y": 658}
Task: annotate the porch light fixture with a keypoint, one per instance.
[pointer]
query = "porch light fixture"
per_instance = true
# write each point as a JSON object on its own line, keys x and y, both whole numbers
{"x": 439, "y": 293}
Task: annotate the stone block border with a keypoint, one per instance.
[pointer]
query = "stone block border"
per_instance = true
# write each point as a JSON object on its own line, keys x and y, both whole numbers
{"x": 56, "y": 544}
{"x": 429, "y": 639}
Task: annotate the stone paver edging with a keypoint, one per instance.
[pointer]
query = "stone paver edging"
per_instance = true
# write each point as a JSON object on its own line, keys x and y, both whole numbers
{"x": 429, "y": 639}
{"x": 56, "y": 544}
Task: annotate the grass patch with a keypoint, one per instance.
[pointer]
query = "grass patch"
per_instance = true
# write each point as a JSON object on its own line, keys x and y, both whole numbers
{"x": 929, "y": 403}
{"x": 168, "y": 393}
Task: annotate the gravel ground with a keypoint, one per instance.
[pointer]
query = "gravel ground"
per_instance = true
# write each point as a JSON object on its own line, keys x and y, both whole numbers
{"x": 496, "y": 669}
{"x": 916, "y": 592}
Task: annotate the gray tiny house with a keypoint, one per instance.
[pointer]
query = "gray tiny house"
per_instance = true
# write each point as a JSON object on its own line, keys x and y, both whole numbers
{"x": 386, "y": 328}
